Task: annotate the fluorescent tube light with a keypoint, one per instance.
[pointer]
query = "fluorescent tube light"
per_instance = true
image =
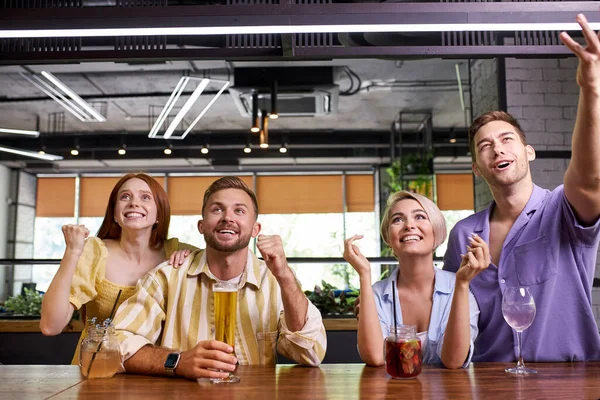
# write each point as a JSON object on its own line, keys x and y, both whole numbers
{"x": 186, "y": 107}
{"x": 46, "y": 157}
{"x": 75, "y": 105}
{"x": 82, "y": 103}
{"x": 175, "y": 95}
{"x": 283, "y": 29}
{"x": 56, "y": 96}
{"x": 168, "y": 106}
{"x": 210, "y": 103}
{"x": 20, "y": 132}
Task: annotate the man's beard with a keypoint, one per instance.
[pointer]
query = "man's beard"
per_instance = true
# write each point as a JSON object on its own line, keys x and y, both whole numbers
{"x": 242, "y": 242}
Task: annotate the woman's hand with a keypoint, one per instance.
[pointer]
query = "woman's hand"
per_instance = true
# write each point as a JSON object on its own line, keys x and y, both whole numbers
{"x": 353, "y": 255}
{"x": 75, "y": 236}
{"x": 474, "y": 261}
{"x": 178, "y": 257}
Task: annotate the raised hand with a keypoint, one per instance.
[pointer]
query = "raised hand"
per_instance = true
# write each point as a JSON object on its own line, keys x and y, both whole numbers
{"x": 178, "y": 257}
{"x": 474, "y": 261}
{"x": 355, "y": 258}
{"x": 588, "y": 72}
{"x": 208, "y": 359}
{"x": 271, "y": 249}
{"x": 75, "y": 236}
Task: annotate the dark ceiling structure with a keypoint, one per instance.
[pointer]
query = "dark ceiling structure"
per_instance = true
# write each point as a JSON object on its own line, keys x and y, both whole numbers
{"x": 20, "y": 15}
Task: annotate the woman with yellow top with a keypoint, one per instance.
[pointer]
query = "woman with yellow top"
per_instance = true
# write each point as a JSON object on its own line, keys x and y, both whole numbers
{"x": 131, "y": 241}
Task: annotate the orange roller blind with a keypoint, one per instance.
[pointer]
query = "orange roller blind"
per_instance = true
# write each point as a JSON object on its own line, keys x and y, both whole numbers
{"x": 454, "y": 191}
{"x": 360, "y": 196}
{"x": 186, "y": 192}
{"x": 55, "y": 197}
{"x": 299, "y": 194}
{"x": 94, "y": 194}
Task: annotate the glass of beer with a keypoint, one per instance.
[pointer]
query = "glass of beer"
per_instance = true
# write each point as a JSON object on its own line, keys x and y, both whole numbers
{"x": 225, "y": 305}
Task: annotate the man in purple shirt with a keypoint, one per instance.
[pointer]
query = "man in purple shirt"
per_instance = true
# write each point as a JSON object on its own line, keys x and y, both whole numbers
{"x": 544, "y": 240}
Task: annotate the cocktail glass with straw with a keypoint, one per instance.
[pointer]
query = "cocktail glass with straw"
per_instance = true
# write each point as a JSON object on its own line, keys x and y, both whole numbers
{"x": 110, "y": 319}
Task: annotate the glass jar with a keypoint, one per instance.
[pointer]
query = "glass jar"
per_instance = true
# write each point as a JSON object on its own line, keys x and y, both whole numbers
{"x": 403, "y": 354}
{"x": 99, "y": 352}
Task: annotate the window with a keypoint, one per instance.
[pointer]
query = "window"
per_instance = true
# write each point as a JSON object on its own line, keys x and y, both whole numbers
{"x": 48, "y": 243}
{"x": 185, "y": 228}
{"x": 322, "y": 235}
{"x": 307, "y": 211}
{"x": 452, "y": 217}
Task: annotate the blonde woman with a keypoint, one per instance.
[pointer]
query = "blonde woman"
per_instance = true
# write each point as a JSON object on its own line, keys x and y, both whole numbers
{"x": 437, "y": 302}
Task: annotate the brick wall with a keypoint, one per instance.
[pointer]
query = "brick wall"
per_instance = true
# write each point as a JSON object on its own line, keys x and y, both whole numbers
{"x": 542, "y": 94}
{"x": 484, "y": 98}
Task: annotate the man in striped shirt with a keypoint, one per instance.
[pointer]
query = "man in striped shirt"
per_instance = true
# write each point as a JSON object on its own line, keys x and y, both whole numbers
{"x": 167, "y": 326}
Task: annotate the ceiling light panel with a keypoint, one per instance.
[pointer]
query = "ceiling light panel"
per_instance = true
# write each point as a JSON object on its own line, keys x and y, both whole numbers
{"x": 32, "y": 154}
{"x": 20, "y": 132}
{"x": 175, "y": 128}
{"x": 63, "y": 95}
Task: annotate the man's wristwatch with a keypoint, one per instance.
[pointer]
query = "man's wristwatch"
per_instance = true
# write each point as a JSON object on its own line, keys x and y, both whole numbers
{"x": 171, "y": 363}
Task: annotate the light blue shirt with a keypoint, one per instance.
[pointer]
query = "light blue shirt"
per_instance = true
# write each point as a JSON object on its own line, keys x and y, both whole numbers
{"x": 442, "y": 303}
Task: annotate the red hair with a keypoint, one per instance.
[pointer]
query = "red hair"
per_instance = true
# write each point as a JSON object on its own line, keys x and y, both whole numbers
{"x": 111, "y": 230}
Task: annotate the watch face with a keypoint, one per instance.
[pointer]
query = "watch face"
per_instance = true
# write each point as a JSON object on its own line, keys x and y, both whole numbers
{"x": 172, "y": 360}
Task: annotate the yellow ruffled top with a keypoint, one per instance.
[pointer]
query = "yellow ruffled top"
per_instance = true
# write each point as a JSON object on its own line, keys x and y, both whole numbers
{"x": 90, "y": 288}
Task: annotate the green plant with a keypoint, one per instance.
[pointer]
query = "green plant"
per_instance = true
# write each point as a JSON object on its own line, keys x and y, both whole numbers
{"x": 411, "y": 172}
{"x": 29, "y": 303}
{"x": 327, "y": 302}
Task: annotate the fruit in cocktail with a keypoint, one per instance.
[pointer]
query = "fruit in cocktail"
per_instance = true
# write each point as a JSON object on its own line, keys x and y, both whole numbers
{"x": 403, "y": 358}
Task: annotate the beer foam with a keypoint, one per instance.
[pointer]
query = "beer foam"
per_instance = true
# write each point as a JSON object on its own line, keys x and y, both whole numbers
{"x": 226, "y": 290}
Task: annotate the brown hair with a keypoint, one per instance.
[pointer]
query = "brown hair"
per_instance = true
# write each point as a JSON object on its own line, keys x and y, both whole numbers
{"x": 111, "y": 230}
{"x": 438, "y": 222}
{"x": 488, "y": 117}
{"x": 229, "y": 182}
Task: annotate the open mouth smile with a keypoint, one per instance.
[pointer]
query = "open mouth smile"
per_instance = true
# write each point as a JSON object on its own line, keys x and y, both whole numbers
{"x": 133, "y": 215}
{"x": 502, "y": 165}
{"x": 411, "y": 238}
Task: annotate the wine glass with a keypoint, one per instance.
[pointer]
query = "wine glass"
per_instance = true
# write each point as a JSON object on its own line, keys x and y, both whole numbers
{"x": 518, "y": 309}
{"x": 225, "y": 305}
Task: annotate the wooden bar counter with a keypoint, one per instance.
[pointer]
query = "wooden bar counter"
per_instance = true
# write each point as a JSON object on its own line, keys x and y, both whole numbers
{"x": 330, "y": 381}
{"x": 33, "y": 325}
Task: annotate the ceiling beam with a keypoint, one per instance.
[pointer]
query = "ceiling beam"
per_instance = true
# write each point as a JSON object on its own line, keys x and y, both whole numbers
{"x": 225, "y": 145}
{"x": 338, "y": 17}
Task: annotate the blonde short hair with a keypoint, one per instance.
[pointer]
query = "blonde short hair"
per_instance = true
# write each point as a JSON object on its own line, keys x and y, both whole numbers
{"x": 438, "y": 222}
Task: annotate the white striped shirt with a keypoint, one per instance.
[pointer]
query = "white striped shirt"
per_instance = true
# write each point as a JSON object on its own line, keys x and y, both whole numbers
{"x": 173, "y": 308}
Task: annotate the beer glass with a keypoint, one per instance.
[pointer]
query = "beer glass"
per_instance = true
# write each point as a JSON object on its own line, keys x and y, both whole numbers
{"x": 225, "y": 305}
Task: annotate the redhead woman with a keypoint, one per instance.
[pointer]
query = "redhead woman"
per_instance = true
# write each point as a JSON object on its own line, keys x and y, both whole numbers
{"x": 438, "y": 303}
{"x": 131, "y": 241}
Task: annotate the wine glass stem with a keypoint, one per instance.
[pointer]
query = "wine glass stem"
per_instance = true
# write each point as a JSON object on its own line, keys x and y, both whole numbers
{"x": 520, "y": 363}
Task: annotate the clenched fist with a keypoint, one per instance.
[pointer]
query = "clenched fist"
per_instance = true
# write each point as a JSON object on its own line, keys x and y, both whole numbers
{"x": 271, "y": 248}
{"x": 75, "y": 236}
